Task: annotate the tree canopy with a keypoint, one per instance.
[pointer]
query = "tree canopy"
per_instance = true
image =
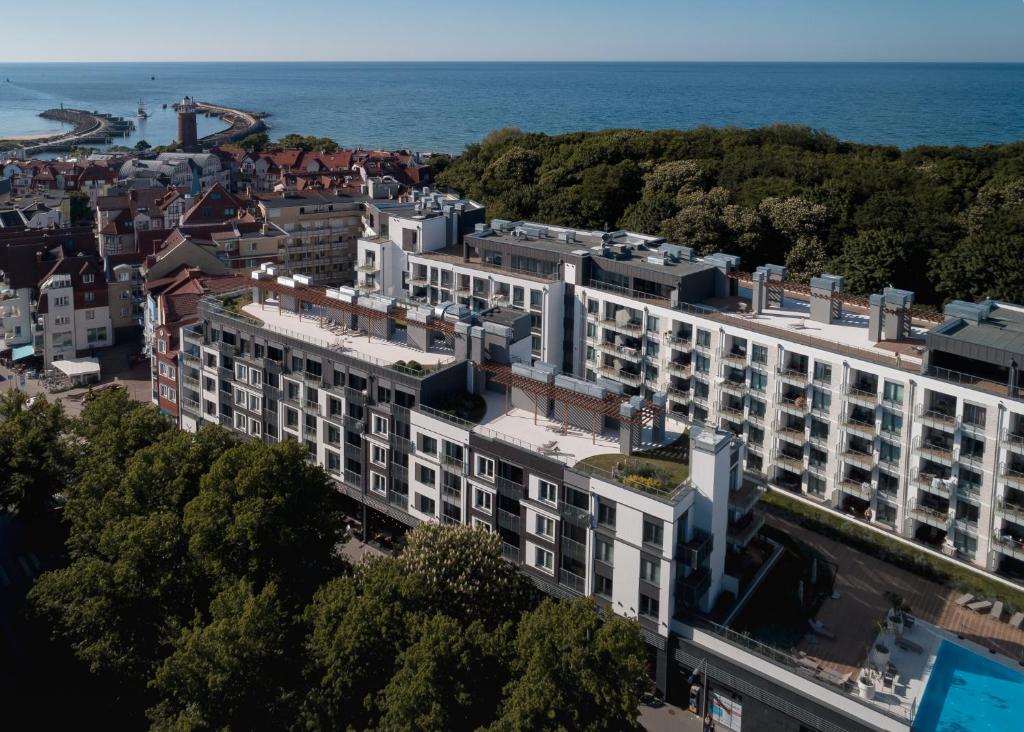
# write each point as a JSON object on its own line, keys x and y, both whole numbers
{"x": 204, "y": 588}
{"x": 942, "y": 221}
{"x": 34, "y": 454}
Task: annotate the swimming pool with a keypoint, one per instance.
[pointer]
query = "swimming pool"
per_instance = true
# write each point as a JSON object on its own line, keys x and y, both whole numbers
{"x": 967, "y": 692}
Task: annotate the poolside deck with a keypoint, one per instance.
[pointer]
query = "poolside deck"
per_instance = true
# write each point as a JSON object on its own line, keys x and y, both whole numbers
{"x": 862, "y": 581}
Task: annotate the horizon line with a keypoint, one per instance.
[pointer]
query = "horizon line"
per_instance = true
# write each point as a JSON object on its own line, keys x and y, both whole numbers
{"x": 519, "y": 61}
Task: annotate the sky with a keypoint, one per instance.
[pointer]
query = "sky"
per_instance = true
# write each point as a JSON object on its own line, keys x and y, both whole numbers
{"x": 513, "y": 30}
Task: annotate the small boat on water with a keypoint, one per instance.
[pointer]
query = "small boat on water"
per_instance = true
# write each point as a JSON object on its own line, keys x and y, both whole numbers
{"x": 142, "y": 113}
{"x": 152, "y": 78}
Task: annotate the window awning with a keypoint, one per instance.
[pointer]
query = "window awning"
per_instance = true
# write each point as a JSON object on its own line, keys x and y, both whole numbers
{"x": 20, "y": 352}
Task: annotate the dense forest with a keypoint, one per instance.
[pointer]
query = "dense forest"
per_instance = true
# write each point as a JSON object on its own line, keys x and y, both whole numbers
{"x": 201, "y": 588}
{"x": 946, "y": 222}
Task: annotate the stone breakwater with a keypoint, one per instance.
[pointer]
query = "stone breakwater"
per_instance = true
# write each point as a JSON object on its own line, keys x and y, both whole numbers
{"x": 241, "y": 124}
{"x": 89, "y": 127}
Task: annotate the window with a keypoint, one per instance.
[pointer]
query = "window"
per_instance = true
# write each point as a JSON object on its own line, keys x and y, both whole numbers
{"x": 888, "y": 452}
{"x": 972, "y": 448}
{"x": 485, "y": 467}
{"x": 379, "y": 455}
{"x": 703, "y": 338}
{"x": 333, "y": 435}
{"x": 759, "y": 354}
{"x": 653, "y": 533}
{"x": 821, "y": 400}
{"x": 166, "y": 371}
{"x": 606, "y": 515}
{"x": 88, "y": 279}
{"x": 254, "y": 428}
{"x": 544, "y": 526}
{"x": 96, "y": 335}
{"x": 483, "y": 500}
{"x": 90, "y": 315}
{"x": 974, "y": 415}
{"x": 701, "y": 363}
{"x": 169, "y": 394}
{"x": 823, "y": 372}
{"x": 240, "y": 422}
{"x": 652, "y": 324}
{"x": 758, "y": 381}
{"x": 255, "y": 377}
{"x": 427, "y": 445}
{"x": 547, "y": 492}
{"x": 891, "y": 422}
{"x": 650, "y": 570}
{"x": 426, "y": 505}
{"x": 380, "y": 425}
{"x": 89, "y": 297}
{"x": 649, "y": 606}
{"x": 240, "y": 398}
{"x": 603, "y": 587}
{"x": 543, "y": 559}
{"x": 333, "y": 462}
{"x": 378, "y": 483}
{"x": 604, "y": 551}
{"x": 536, "y": 299}
{"x": 892, "y": 392}
{"x": 479, "y": 523}
{"x": 241, "y": 372}
{"x": 425, "y": 475}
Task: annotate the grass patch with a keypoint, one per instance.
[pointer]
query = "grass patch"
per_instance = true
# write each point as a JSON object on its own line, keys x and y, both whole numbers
{"x": 889, "y": 550}
{"x": 661, "y": 469}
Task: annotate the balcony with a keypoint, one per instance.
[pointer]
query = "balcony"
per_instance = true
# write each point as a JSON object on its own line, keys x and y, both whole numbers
{"x": 617, "y": 351}
{"x": 937, "y": 450}
{"x": 797, "y": 377}
{"x": 368, "y": 266}
{"x": 1009, "y": 544}
{"x": 509, "y": 553}
{"x": 509, "y": 488}
{"x": 939, "y": 418}
{"x": 678, "y": 342}
{"x": 453, "y": 464}
{"x": 930, "y": 515}
{"x": 735, "y": 357}
{"x": 694, "y": 586}
{"x": 573, "y": 549}
{"x": 675, "y": 391}
{"x": 933, "y": 483}
{"x": 573, "y": 581}
{"x": 695, "y": 552}
{"x": 746, "y": 497}
{"x": 508, "y": 520}
{"x": 790, "y": 462}
{"x": 1014, "y": 441}
{"x": 858, "y": 455}
{"x": 399, "y": 500}
{"x": 575, "y": 514}
{"x": 679, "y": 369}
{"x": 860, "y": 424}
{"x": 421, "y": 279}
{"x": 1012, "y": 474}
{"x": 856, "y": 488}
{"x": 862, "y": 393}
{"x": 1011, "y": 511}
{"x": 626, "y": 377}
{"x": 732, "y": 409}
{"x": 740, "y": 534}
{"x": 966, "y": 526}
{"x": 794, "y": 403}
{"x": 633, "y": 327}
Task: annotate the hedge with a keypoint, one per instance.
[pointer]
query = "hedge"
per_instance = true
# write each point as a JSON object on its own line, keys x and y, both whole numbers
{"x": 892, "y": 551}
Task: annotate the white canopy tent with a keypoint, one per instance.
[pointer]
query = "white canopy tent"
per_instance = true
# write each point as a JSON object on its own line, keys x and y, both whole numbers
{"x": 79, "y": 370}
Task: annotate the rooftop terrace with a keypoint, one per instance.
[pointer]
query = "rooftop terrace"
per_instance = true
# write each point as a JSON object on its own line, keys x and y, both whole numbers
{"x": 318, "y": 331}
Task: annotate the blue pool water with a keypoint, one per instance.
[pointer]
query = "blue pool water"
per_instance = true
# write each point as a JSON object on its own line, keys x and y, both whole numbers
{"x": 970, "y": 693}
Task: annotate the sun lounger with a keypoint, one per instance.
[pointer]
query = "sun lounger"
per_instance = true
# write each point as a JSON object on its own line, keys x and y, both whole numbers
{"x": 808, "y": 662}
{"x": 997, "y": 610}
{"x": 821, "y": 629}
{"x": 908, "y": 645}
{"x": 980, "y": 606}
{"x": 964, "y": 599}
{"x": 1016, "y": 620}
{"x": 833, "y": 677}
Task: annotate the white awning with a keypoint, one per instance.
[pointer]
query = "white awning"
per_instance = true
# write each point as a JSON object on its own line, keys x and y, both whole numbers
{"x": 73, "y": 367}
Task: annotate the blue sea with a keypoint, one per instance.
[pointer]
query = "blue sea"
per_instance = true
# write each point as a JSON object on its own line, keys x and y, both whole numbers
{"x": 444, "y": 106}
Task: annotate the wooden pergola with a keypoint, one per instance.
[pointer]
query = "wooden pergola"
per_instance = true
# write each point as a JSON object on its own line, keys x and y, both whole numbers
{"x": 799, "y": 288}
{"x": 538, "y": 391}
{"x": 318, "y": 297}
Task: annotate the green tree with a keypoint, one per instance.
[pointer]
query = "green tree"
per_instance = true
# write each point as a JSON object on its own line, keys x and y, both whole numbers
{"x": 875, "y": 258}
{"x": 237, "y": 671}
{"x": 308, "y": 143}
{"x": 458, "y": 571}
{"x": 257, "y": 142}
{"x": 142, "y": 146}
{"x": 449, "y": 678}
{"x": 266, "y": 514}
{"x": 34, "y": 456}
{"x": 80, "y": 212}
{"x": 576, "y": 668}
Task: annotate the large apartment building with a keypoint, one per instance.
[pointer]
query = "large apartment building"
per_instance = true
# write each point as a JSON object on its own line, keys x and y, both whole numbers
{"x": 367, "y": 383}
{"x": 890, "y": 414}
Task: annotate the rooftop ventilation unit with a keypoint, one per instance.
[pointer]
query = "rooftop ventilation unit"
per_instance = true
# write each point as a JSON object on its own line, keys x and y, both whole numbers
{"x": 972, "y": 312}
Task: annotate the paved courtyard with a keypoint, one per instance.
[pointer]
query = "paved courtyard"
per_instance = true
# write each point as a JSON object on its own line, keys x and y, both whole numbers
{"x": 861, "y": 583}
{"x": 114, "y": 368}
